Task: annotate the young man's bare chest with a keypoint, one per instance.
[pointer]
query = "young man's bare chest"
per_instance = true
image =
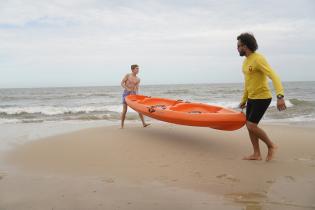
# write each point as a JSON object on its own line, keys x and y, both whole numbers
{"x": 133, "y": 79}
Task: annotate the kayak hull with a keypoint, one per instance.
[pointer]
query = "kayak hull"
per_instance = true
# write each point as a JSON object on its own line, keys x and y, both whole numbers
{"x": 186, "y": 113}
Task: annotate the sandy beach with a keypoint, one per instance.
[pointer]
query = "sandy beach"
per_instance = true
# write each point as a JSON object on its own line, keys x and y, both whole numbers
{"x": 73, "y": 73}
{"x": 163, "y": 166}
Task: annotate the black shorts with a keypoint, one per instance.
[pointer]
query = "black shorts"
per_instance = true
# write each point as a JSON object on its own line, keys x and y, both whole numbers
{"x": 256, "y": 109}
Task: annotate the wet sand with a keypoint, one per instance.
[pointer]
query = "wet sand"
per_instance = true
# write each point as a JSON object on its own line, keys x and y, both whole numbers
{"x": 160, "y": 167}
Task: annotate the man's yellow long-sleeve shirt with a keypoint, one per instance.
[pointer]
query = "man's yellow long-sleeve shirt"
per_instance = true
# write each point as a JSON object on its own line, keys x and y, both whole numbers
{"x": 256, "y": 70}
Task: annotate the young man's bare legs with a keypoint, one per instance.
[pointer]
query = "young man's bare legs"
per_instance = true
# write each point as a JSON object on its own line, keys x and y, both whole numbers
{"x": 257, "y": 133}
{"x": 142, "y": 120}
{"x": 123, "y": 115}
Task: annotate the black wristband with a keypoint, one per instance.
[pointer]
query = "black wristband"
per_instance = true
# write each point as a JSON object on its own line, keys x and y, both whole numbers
{"x": 280, "y": 96}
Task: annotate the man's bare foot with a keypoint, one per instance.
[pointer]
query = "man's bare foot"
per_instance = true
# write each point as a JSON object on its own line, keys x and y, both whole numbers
{"x": 252, "y": 157}
{"x": 271, "y": 152}
{"x": 146, "y": 125}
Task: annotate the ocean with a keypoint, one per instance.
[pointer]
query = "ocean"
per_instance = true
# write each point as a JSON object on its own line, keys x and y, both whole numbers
{"x": 30, "y": 113}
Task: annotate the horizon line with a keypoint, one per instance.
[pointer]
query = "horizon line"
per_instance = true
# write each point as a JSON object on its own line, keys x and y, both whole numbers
{"x": 156, "y": 84}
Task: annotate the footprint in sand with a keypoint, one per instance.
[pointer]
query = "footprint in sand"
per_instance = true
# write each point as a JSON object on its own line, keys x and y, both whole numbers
{"x": 228, "y": 177}
{"x": 2, "y": 174}
{"x": 232, "y": 178}
{"x": 270, "y": 181}
{"x": 162, "y": 178}
{"x": 221, "y": 176}
{"x": 250, "y": 198}
{"x": 290, "y": 178}
{"x": 197, "y": 174}
{"x": 108, "y": 180}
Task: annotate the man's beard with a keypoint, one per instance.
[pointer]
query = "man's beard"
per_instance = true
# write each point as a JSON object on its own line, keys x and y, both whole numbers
{"x": 242, "y": 53}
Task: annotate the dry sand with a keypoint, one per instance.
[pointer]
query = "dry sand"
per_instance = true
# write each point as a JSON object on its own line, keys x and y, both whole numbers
{"x": 160, "y": 167}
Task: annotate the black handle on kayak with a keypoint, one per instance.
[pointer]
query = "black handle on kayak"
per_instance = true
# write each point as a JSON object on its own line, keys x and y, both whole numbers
{"x": 151, "y": 109}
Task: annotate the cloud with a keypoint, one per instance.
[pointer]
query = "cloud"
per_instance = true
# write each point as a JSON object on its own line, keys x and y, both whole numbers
{"x": 87, "y": 36}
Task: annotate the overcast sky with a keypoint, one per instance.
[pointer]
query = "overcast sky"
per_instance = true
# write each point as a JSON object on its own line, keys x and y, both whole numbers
{"x": 94, "y": 42}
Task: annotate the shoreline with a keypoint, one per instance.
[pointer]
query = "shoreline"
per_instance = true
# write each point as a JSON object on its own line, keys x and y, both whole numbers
{"x": 199, "y": 160}
{"x": 30, "y": 132}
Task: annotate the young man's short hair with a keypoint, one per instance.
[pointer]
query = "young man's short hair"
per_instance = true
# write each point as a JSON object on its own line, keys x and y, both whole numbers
{"x": 133, "y": 66}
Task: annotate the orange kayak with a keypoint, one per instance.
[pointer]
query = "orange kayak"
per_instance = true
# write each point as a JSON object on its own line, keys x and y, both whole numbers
{"x": 186, "y": 113}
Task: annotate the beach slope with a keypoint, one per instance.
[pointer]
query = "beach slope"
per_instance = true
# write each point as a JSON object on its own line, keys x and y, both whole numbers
{"x": 160, "y": 167}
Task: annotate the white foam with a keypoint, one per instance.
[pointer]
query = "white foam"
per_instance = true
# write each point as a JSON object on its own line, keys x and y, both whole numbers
{"x": 235, "y": 104}
{"x": 51, "y": 110}
{"x": 6, "y": 121}
{"x": 227, "y": 104}
{"x": 303, "y": 118}
{"x": 117, "y": 108}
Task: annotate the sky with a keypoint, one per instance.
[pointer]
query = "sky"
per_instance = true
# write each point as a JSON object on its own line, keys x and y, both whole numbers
{"x": 93, "y": 42}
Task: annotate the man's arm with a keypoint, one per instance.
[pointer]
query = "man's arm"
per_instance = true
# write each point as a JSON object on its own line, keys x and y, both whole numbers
{"x": 245, "y": 96}
{"x": 265, "y": 68}
{"x": 123, "y": 82}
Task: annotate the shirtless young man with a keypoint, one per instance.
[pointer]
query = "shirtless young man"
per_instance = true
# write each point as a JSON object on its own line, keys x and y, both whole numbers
{"x": 130, "y": 83}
